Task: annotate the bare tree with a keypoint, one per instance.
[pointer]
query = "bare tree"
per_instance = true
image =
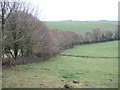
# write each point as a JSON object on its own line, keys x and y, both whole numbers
{"x": 18, "y": 22}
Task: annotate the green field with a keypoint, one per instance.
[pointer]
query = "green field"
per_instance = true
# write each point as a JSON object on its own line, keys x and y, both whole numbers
{"x": 96, "y": 50}
{"x": 79, "y": 25}
{"x": 61, "y": 70}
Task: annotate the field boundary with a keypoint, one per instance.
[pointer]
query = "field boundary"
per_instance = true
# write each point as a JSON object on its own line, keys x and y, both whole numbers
{"x": 75, "y": 55}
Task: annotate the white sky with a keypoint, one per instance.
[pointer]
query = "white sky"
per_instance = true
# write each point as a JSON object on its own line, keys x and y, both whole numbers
{"x": 56, "y": 10}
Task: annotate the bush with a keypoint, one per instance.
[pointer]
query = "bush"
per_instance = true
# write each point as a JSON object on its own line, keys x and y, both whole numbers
{"x": 97, "y": 35}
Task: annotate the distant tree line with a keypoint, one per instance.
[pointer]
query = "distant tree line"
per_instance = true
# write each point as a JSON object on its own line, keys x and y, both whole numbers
{"x": 98, "y": 35}
{"x": 24, "y": 35}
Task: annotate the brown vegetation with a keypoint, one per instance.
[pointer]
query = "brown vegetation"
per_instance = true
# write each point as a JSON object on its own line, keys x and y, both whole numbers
{"x": 24, "y": 35}
{"x": 98, "y": 35}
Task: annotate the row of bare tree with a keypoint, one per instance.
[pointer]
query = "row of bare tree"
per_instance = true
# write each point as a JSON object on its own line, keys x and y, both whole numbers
{"x": 98, "y": 35}
{"x": 24, "y": 35}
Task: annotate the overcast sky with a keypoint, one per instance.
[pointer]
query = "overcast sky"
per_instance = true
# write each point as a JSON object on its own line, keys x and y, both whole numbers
{"x": 56, "y": 10}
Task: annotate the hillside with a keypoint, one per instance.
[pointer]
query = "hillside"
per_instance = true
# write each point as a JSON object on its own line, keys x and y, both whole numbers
{"x": 56, "y": 72}
{"x": 80, "y": 25}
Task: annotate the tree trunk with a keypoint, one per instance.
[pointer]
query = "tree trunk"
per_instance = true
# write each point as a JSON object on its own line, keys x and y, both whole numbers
{"x": 15, "y": 50}
{"x": 3, "y": 23}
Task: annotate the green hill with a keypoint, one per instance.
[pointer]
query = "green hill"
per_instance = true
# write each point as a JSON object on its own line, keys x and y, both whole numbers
{"x": 79, "y": 25}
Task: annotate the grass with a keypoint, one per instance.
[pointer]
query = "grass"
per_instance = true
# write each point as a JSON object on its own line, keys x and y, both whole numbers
{"x": 79, "y": 26}
{"x": 109, "y": 49}
{"x": 56, "y": 72}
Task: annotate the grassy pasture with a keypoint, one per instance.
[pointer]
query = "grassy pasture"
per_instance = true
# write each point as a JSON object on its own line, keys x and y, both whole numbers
{"x": 95, "y": 73}
{"x": 109, "y": 49}
{"x": 79, "y": 25}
